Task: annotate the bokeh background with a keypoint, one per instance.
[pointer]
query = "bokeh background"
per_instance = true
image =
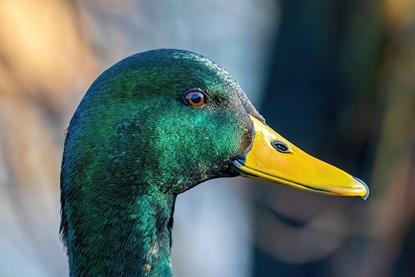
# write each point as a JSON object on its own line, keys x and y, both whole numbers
{"x": 336, "y": 77}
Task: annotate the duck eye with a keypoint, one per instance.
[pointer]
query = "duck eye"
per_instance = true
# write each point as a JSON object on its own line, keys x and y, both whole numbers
{"x": 280, "y": 146}
{"x": 195, "y": 98}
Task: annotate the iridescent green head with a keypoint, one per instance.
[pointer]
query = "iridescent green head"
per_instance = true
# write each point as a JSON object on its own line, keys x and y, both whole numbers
{"x": 151, "y": 126}
{"x": 136, "y": 127}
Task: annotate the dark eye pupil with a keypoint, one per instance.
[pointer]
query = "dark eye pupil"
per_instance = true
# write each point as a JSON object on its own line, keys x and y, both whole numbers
{"x": 196, "y": 97}
{"x": 279, "y": 146}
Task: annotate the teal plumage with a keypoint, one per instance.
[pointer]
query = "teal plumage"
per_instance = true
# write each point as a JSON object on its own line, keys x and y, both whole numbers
{"x": 132, "y": 146}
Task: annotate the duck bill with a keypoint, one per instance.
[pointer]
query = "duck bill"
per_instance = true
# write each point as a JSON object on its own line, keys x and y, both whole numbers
{"x": 273, "y": 158}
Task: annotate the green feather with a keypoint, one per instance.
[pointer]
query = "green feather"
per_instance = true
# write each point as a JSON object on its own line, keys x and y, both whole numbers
{"x": 132, "y": 146}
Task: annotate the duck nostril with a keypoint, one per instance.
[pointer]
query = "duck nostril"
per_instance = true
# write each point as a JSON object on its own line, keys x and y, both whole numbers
{"x": 280, "y": 146}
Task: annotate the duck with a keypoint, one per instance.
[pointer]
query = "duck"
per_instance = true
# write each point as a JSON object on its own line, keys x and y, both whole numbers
{"x": 149, "y": 128}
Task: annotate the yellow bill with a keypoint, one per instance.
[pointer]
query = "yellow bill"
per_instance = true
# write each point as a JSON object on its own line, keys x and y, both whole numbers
{"x": 273, "y": 158}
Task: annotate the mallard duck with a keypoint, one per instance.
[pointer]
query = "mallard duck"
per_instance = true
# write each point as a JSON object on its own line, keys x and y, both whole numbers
{"x": 149, "y": 128}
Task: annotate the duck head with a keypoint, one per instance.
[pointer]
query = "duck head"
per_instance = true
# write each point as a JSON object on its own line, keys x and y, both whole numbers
{"x": 174, "y": 119}
{"x": 152, "y": 126}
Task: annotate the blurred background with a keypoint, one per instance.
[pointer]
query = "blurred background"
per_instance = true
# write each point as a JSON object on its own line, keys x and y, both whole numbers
{"x": 335, "y": 77}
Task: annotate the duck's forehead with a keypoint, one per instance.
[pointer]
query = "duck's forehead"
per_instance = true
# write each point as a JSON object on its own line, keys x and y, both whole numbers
{"x": 205, "y": 68}
{"x": 169, "y": 71}
{"x": 183, "y": 70}
{"x": 198, "y": 69}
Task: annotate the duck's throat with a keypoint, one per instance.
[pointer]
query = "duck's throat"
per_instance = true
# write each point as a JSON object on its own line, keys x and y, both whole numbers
{"x": 128, "y": 236}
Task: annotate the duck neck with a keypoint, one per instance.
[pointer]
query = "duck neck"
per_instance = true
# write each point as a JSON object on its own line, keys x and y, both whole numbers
{"x": 127, "y": 236}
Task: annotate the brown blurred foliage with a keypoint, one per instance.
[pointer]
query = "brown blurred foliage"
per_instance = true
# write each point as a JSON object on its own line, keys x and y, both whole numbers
{"x": 358, "y": 239}
{"x": 43, "y": 60}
